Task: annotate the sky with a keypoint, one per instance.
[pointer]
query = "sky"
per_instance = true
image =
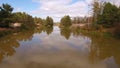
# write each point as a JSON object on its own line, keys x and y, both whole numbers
{"x": 53, "y": 8}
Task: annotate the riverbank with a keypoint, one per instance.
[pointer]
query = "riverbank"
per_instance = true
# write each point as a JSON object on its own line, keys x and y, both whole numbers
{"x": 7, "y": 31}
{"x": 94, "y": 33}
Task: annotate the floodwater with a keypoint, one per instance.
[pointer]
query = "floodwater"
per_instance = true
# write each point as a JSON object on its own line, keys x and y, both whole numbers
{"x": 58, "y": 48}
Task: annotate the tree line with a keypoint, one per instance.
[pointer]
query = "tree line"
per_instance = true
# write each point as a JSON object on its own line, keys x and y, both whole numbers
{"x": 106, "y": 16}
{"x": 7, "y": 17}
{"x": 9, "y": 20}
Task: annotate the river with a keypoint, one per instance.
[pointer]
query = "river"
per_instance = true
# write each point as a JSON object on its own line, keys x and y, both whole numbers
{"x": 58, "y": 48}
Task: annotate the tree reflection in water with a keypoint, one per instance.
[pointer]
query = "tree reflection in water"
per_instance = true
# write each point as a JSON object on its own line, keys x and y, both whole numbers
{"x": 10, "y": 42}
{"x": 66, "y": 32}
{"x": 104, "y": 49}
{"x": 48, "y": 30}
{"x": 101, "y": 48}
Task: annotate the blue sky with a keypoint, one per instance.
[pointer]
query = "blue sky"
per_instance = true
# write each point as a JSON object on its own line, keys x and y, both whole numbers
{"x": 21, "y": 5}
{"x": 54, "y": 8}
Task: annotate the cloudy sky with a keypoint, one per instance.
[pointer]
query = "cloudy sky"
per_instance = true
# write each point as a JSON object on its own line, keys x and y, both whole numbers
{"x": 54, "y": 8}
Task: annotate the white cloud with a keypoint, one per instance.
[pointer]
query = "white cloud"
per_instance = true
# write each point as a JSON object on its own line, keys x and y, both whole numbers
{"x": 59, "y": 8}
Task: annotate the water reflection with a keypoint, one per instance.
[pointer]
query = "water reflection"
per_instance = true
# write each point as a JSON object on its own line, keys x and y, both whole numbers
{"x": 48, "y": 47}
{"x": 7, "y": 47}
{"x": 66, "y": 32}
{"x": 76, "y": 32}
{"x": 107, "y": 49}
{"x": 48, "y": 30}
{"x": 102, "y": 49}
{"x": 10, "y": 42}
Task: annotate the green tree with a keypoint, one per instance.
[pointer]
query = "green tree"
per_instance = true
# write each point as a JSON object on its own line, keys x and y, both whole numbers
{"x": 48, "y": 22}
{"x": 38, "y": 21}
{"x": 109, "y": 17}
{"x": 5, "y": 15}
{"x": 25, "y": 19}
{"x": 65, "y": 21}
